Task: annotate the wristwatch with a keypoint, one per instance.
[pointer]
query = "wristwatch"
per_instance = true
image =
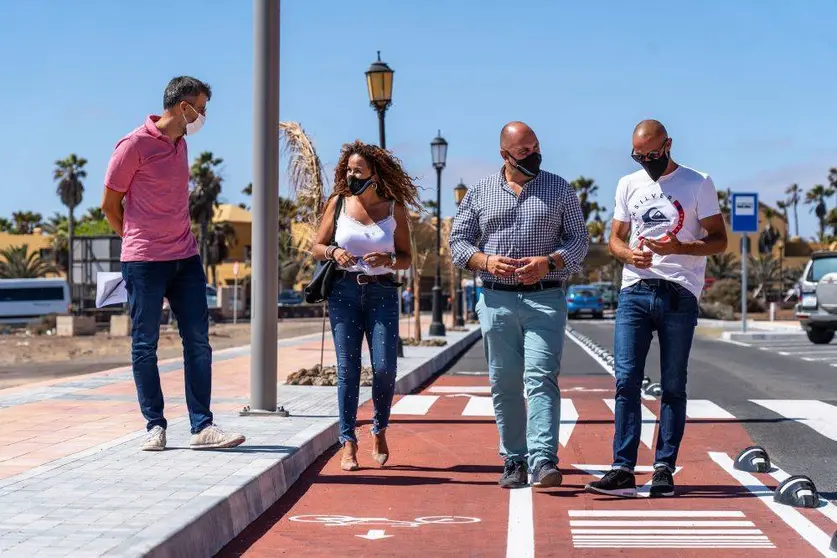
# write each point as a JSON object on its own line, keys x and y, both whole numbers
{"x": 393, "y": 259}
{"x": 552, "y": 265}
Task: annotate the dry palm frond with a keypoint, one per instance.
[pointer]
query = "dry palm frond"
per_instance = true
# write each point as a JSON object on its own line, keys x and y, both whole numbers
{"x": 305, "y": 170}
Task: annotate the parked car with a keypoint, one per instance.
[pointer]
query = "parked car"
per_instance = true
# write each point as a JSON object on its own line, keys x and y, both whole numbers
{"x": 817, "y": 306}
{"x": 22, "y": 300}
{"x": 290, "y": 298}
{"x": 609, "y": 293}
{"x": 585, "y": 300}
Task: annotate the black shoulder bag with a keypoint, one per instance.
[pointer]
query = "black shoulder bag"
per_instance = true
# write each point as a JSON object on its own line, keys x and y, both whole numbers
{"x": 320, "y": 286}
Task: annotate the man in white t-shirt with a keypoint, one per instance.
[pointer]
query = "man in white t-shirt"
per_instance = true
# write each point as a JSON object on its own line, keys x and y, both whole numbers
{"x": 666, "y": 222}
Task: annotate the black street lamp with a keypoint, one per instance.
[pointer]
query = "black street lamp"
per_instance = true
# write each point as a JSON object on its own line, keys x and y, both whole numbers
{"x": 379, "y": 85}
{"x": 439, "y": 151}
{"x": 458, "y": 195}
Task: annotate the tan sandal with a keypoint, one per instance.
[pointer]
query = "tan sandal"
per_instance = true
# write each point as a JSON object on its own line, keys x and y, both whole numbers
{"x": 348, "y": 461}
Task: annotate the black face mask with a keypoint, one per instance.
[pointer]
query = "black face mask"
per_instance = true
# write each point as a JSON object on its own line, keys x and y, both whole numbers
{"x": 529, "y": 165}
{"x": 357, "y": 186}
{"x": 656, "y": 167}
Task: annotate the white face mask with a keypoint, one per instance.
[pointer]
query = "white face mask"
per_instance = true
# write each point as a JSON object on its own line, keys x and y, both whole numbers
{"x": 192, "y": 128}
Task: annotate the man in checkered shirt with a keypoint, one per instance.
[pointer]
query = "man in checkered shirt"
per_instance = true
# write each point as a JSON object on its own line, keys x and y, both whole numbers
{"x": 523, "y": 230}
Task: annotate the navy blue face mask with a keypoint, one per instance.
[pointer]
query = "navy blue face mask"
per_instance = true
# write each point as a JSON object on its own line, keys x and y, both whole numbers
{"x": 357, "y": 186}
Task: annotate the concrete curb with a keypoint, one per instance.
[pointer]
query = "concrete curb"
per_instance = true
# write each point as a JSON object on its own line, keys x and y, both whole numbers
{"x": 205, "y": 530}
{"x": 741, "y": 336}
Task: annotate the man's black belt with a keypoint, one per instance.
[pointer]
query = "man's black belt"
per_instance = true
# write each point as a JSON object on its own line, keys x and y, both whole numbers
{"x": 521, "y": 288}
{"x": 387, "y": 279}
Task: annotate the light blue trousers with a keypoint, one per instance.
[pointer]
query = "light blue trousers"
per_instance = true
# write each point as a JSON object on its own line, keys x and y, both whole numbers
{"x": 523, "y": 334}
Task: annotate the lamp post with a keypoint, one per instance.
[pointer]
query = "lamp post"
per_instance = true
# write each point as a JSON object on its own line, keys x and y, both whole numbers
{"x": 379, "y": 86}
{"x": 458, "y": 195}
{"x": 439, "y": 151}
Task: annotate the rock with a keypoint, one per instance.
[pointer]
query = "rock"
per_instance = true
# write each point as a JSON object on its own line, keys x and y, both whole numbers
{"x": 717, "y": 311}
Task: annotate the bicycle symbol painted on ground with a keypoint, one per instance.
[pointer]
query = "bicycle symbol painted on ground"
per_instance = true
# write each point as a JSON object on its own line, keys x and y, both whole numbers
{"x": 346, "y": 520}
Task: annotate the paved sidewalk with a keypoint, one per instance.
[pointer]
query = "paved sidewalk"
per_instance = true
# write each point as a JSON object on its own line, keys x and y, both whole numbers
{"x": 73, "y": 482}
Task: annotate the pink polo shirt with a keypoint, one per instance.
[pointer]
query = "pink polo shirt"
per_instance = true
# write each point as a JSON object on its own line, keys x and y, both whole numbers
{"x": 153, "y": 171}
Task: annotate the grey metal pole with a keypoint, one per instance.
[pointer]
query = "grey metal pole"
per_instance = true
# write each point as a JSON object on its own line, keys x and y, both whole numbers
{"x": 265, "y": 204}
{"x": 744, "y": 282}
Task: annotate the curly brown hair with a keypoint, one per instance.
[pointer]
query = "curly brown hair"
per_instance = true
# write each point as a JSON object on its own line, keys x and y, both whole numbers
{"x": 393, "y": 181}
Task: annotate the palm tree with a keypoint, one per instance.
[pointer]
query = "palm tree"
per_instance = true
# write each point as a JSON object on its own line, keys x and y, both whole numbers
{"x": 25, "y": 221}
{"x": 794, "y": 192}
{"x": 6, "y": 225}
{"x": 69, "y": 172}
{"x": 723, "y": 202}
{"x": 306, "y": 175}
{"x": 16, "y": 262}
{"x": 783, "y": 207}
{"x": 722, "y": 266}
{"x": 203, "y": 198}
{"x": 585, "y": 189}
{"x": 816, "y": 197}
{"x": 222, "y": 237}
{"x": 94, "y": 214}
{"x": 764, "y": 271}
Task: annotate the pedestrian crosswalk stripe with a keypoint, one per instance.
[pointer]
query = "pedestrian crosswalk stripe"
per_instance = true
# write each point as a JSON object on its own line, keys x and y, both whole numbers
{"x": 460, "y": 389}
{"x": 817, "y": 415}
{"x": 656, "y": 513}
{"x": 704, "y": 409}
{"x": 569, "y": 418}
{"x": 479, "y": 407}
{"x": 414, "y": 405}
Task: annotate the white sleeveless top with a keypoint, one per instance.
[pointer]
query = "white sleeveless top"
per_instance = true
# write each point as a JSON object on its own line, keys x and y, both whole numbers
{"x": 359, "y": 239}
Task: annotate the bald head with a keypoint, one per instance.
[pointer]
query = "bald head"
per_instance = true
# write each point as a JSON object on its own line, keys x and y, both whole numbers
{"x": 514, "y": 131}
{"x": 649, "y": 135}
{"x": 519, "y": 141}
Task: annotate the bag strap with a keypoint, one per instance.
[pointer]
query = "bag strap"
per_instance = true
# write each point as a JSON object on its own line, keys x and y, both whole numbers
{"x": 337, "y": 209}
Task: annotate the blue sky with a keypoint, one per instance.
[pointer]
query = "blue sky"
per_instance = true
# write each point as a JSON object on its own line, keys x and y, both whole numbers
{"x": 746, "y": 88}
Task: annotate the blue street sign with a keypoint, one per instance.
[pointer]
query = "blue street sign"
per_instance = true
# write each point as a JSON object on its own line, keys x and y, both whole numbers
{"x": 745, "y": 213}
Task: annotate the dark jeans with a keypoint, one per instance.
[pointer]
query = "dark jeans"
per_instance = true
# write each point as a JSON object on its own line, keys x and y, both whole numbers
{"x": 357, "y": 310}
{"x": 183, "y": 283}
{"x": 672, "y": 311}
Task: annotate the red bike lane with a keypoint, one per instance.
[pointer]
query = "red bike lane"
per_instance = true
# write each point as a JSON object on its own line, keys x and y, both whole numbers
{"x": 438, "y": 493}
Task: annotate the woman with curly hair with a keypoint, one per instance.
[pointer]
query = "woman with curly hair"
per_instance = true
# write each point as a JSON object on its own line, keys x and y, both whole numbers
{"x": 372, "y": 239}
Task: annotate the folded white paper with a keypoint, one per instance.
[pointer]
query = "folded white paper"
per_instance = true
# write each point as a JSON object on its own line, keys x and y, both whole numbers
{"x": 110, "y": 289}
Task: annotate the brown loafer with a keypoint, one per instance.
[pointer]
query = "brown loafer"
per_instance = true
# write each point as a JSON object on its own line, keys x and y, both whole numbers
{"x": 348, "y": 461}
{"x": 380, "y": 450}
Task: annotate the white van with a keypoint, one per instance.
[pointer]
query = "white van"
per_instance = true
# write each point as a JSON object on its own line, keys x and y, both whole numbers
{"x": 24, "y": 300}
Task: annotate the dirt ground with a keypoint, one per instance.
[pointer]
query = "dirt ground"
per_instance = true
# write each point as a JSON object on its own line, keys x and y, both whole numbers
{"x": 29, "y": 358}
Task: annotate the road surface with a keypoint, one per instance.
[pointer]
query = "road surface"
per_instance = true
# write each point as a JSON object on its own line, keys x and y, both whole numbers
{"x": 438, "y": 495}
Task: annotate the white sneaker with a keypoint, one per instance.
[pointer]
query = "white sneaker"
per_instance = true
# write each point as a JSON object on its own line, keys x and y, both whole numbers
{"x": 155, "y": 440}
{"x": 212, "y": 437}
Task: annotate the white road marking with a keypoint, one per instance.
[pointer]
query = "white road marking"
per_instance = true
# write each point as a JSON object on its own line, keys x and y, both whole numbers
{"x": 671, "y": 538}
{"x": 460, "y": 389}
{"x": 601, "y": 362}
{"x": 414, "y": 405}
{"x": 795, "y": 520}
{"x": 817, "y": 415}
{"x": 374, "y": 535}
{"x": 479, "y": 407}
{"x": 569, "y": 418}
{"x": 520, "y": 540}
{"x": 649, "y": 423}
{"x": 658, "y": 523}
{"x": 667, "y": 531}
{"x": 705, "y": 409}
{"x": 796, "y": 353}
{"x": 663, "y": 544}
{"x": 731, "y": 342}
{"x": 654, "y": 513}
{"x": 825, "y": 507}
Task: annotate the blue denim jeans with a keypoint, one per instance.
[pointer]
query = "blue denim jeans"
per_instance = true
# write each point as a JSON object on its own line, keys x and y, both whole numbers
{"x": 523, "y": 334}
{"x": 671, "y": 311}
{"x": 355, "y": 311}
{"x": 183, "y": 283}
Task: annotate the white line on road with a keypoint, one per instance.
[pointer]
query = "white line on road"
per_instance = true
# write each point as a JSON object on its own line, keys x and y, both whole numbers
{"x": 479, "y": 407}
{"x": 569, "y": 418}
{"x": 667, "y": 531}
{"x": 520, "y": 540}
{"x": 664, "y": 544}
{"x": 817, "y": 415}
{"x": 654, "y": 513}
{"x": 615, "y": 538}
{"x": 649, "y": 423}
{"x": 460, "y": 389}
{"x": 705, "y": 409}
{"x": 414, "y": 405}
{"x": 658, "y": 523}
{"x": 795, "y": 520}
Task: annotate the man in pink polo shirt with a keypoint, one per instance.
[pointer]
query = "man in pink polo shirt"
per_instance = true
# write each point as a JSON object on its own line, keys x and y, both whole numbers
{"x": 146, "y": 202}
